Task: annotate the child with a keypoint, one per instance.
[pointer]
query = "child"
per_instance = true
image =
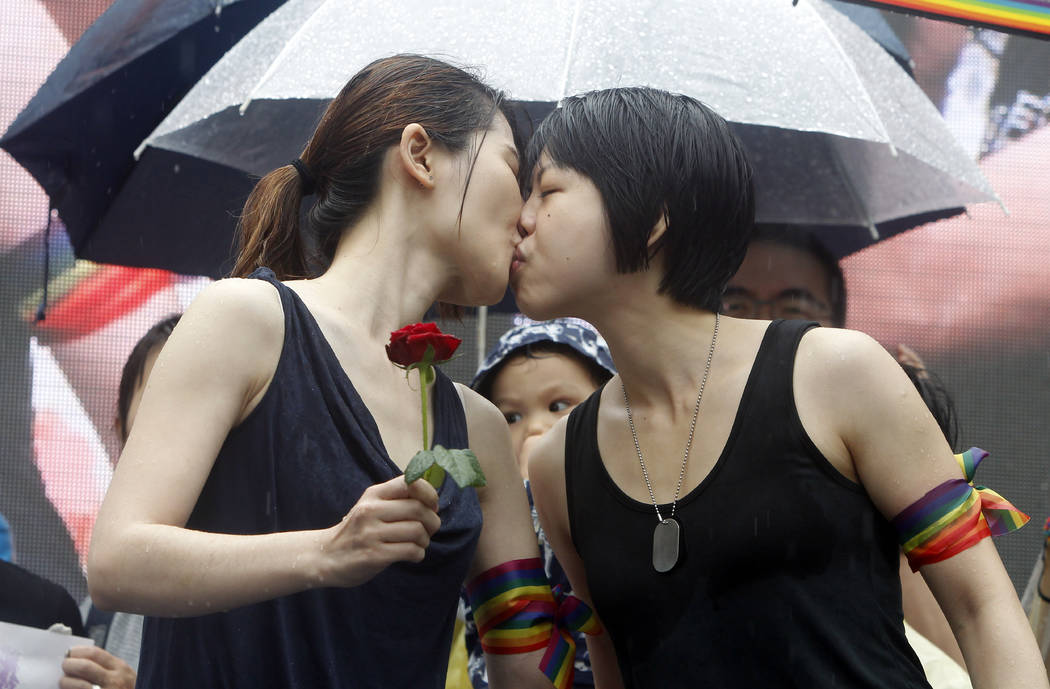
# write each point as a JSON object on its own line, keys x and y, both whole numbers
{"x": 536, "y": 374}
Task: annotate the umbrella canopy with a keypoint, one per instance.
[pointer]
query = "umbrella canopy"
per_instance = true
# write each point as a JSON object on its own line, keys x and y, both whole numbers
{"x": 128, "y": 70}
{"x": 839, "y": 134}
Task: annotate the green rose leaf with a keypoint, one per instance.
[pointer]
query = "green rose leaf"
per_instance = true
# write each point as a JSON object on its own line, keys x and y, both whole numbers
{"x": 423, "y": 460}
{"x": 461, "y": 465}
{"x": 435, "y": 476}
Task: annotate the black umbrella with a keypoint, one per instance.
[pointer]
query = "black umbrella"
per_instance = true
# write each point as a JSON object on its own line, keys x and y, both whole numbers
{"x": 128, "y": 70}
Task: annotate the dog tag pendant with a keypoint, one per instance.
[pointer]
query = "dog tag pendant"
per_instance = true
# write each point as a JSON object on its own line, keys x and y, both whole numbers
{"x": 665, "y": 545}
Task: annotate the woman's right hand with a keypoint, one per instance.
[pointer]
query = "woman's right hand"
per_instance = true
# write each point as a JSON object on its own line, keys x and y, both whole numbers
{"x": 391, "y": 522}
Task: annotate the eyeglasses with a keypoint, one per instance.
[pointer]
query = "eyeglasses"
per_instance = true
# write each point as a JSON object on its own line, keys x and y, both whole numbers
{"x": 791, "y": 304}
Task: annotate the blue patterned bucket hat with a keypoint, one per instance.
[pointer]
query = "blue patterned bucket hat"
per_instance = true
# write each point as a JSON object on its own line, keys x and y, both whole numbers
{"x": 572, "y": 332}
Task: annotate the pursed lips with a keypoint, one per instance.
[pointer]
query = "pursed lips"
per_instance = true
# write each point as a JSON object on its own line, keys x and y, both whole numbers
{"x": 516, "y": 260}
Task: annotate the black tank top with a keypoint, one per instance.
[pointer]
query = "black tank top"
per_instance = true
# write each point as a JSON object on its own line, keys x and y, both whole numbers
{"x": 301, "y": 460}
{"x": 788, "y": 575}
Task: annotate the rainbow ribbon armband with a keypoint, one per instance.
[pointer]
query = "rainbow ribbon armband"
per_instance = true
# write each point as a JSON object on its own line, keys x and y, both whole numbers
{"x": 516, "y": 612}
{"x": 954, "y": 516}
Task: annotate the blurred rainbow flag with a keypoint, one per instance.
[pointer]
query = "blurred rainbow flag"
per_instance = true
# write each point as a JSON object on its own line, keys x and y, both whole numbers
{"x": 1021, "y": 16}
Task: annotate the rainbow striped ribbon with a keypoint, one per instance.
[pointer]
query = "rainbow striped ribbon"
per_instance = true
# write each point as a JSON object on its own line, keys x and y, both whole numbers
{"x": 572, "y": 615}
{"x": 954, "y": 516}
{"x": 516, "y": 612}
{"x": 1032, "y": 16}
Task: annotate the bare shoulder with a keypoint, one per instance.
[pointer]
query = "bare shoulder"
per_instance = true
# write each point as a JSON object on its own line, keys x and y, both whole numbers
{"x": 483, "y": 418}
{"x": 547, "y": 460}
{"x": 841, "y": 344}
{"x": 231, "y": 335}
{"x": 847, "y": 359}
{"x": 238, "y": 304}
{"x": 477, "y": 408}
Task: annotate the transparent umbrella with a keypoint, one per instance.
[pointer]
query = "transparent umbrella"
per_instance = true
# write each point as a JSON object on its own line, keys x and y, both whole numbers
{"x": 839, "y": 134}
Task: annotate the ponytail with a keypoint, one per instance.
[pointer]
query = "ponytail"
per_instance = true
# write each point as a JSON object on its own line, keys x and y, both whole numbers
{"x": 268, "y": 232}
{"x": 343, "y": 160}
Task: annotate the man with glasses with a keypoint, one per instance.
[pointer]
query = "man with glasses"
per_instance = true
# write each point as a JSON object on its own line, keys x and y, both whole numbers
{"x": 788, "y": 274}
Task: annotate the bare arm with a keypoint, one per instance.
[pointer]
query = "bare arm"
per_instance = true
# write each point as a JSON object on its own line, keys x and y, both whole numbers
{"x": 922, "y": 612}
{"x": 213, "y": 369}
{"x": 547, "y": 476}
{"x": 878, "y": 427}
{"x": 507, "y": 532}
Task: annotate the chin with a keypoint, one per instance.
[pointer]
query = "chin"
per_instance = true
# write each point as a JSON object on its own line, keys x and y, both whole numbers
{"x": 535, "y": 309}
{"x": 478, "y": 295}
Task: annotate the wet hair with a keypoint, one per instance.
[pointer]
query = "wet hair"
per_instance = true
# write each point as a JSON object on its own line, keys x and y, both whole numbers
{"x": 135, "y": 366}
{"x": 936, "y": 397}
{"x": 656, "y": 155}
{"x": 541, "y": 350}
{"x": 345, "y": 154}
{"x": 801, "y": 238}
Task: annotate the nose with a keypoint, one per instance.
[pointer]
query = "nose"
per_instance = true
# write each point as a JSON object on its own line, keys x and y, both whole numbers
{"x": 527, "y": 219}
{"x": 538, "y": 424}
{"x": 763, "y": 310}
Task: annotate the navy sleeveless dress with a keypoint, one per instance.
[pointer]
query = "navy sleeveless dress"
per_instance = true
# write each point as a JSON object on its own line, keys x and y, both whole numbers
{"x": 299, "y": 461}
{"x": 788, "y": 575}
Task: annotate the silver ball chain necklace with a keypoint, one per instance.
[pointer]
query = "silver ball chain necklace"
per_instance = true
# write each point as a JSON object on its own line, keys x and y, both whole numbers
{"x": 666, "y": 535}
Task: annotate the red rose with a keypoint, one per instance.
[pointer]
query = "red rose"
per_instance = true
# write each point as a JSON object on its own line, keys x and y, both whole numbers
{"x": 409, "y": 344}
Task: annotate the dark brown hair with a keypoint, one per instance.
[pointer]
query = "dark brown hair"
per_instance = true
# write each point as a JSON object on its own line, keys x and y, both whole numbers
{"x": 345, "y": 153}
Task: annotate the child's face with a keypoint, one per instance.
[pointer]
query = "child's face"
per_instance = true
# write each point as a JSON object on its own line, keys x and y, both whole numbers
{"x": 533, "y": 393}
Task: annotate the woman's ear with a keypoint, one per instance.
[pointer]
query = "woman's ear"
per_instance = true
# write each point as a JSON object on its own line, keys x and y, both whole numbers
{"x": 415, "y": 153}
{"x": 656, "y": 234}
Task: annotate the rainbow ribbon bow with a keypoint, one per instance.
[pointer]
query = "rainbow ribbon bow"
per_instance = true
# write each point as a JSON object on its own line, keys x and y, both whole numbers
{"x": 1002, "y": 517}
{"x": 516, "y": 612}
{"x": 571, "y": 615}
{"x": 954, "y": 516}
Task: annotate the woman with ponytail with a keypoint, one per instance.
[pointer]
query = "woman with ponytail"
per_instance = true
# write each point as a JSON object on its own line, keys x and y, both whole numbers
{"x": 259, "y": 515}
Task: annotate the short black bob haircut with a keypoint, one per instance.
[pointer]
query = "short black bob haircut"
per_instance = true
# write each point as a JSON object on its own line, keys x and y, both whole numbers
{"x": 656, "y": 155}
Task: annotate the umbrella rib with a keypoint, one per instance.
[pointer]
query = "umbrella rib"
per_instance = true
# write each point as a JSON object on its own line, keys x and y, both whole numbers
{"x": 285, "y": 51}
{"x": 853, "y": 69}
{"x": 570, "y": 50}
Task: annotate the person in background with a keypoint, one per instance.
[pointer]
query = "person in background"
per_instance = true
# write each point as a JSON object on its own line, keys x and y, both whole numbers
{"x": 536, "y": 374}
{"x": 788, "y": 273}
{"x": 33, "y": 601}
{"x": 113, "y": 662}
